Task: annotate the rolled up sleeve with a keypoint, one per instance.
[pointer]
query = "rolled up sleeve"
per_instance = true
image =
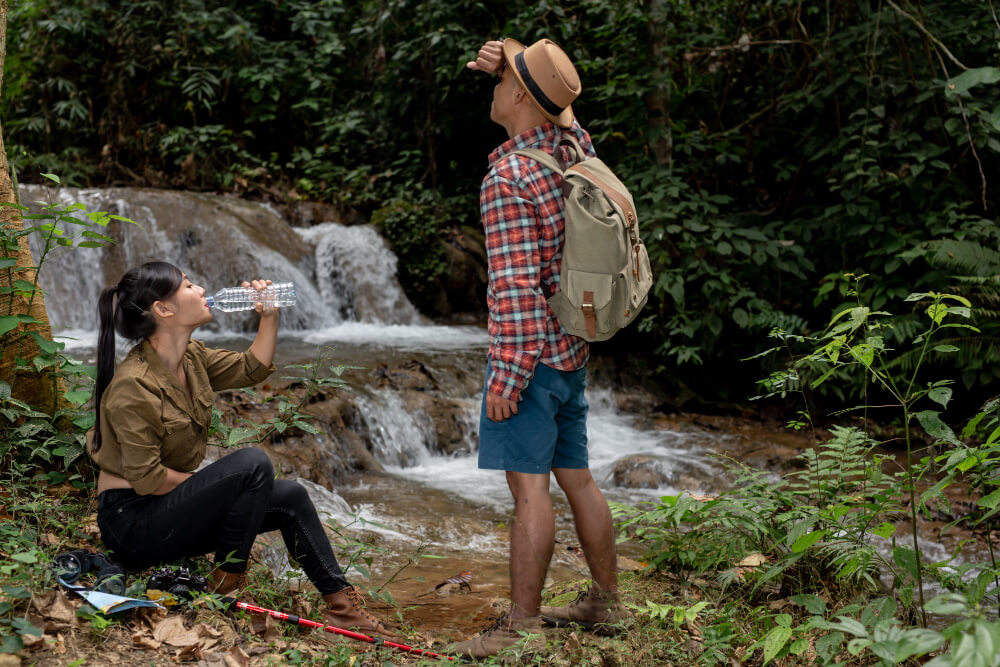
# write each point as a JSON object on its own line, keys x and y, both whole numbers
{"x": 231, "y": 370}
{"x": 138, "y": 427}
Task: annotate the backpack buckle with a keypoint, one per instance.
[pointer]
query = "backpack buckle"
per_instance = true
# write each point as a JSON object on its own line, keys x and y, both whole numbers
{"x": 589, "y": 315}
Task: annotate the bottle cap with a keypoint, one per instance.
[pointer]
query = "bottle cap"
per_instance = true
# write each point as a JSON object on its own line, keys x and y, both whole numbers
{"x": 211, "y": 301}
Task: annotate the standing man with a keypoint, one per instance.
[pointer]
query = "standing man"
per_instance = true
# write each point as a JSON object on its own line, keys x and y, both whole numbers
{"x": 534, "y": 414}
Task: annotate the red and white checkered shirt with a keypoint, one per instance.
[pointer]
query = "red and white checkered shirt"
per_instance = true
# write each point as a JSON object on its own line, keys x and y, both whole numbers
{"x": 521, "y": 202}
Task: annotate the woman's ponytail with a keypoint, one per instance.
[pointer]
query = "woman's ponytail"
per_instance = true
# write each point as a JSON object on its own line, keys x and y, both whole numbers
{"x": 130, "y": 316}
{"x": 105, "y": 354}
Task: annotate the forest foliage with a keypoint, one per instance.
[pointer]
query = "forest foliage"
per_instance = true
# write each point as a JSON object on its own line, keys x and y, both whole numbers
{"x": 772, "y": 146}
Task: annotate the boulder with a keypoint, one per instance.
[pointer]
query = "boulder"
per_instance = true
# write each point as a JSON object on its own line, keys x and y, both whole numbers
{"x": 641, "y": 471}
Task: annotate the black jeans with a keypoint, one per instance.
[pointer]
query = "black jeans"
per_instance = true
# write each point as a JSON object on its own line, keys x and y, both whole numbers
{"x": 222, "y": 509}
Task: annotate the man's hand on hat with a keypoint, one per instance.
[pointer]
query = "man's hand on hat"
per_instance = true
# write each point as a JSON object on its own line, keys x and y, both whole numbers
{"x": 489, "y": 57}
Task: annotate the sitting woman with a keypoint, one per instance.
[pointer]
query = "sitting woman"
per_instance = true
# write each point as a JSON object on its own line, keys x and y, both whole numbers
{"x": 151, "y": 432}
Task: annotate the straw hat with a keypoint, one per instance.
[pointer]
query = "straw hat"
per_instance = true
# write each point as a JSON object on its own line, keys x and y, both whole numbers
{"x": 547, "y": 74}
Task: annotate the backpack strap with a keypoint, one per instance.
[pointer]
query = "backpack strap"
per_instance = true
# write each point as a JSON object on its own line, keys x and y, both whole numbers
{"x": 540, "y": 156}
{"x": 550, "y": 161}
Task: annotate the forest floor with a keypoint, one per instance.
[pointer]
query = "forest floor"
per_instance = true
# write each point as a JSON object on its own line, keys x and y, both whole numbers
{"x": 671, "y": 625}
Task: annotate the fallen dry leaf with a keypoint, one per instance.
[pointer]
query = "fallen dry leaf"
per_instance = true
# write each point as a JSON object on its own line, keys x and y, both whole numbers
{"x": 236, "y": 657}
{"x": 60, "y": 609}
{"x": 144, "y": 639}
{"x": 60, "y": 647}
{"x": 266, "y": 628}
{"x": 701, "y": 498}
{"x": 626, "y": 564}
{"x": 573, "y": 643}
{"x": 190, "y": 653}
{"x": 753, "y": 560}
{"x": 778, "y": 605}
{"x": 172, "y": 631}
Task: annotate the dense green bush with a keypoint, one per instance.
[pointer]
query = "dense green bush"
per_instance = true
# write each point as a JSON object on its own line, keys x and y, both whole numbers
{"x": 772, "y": 146}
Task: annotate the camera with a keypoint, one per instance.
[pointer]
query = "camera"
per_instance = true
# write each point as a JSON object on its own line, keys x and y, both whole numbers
{"x": 177, "y": 582}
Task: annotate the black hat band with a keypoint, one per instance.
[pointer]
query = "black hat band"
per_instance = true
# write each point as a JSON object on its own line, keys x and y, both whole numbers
{"x": 536, "y": 92}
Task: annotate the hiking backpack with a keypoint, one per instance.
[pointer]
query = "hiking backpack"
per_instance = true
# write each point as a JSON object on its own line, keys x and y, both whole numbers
{"x": 605, "y": 276}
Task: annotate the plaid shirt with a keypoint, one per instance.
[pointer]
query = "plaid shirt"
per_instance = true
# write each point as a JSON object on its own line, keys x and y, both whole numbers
{"x": 522, "y": 207}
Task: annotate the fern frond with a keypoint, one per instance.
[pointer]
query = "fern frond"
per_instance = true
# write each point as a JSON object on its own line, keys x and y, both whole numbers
{"x": 969, "y": 257}
{"x": 771, "y": 319}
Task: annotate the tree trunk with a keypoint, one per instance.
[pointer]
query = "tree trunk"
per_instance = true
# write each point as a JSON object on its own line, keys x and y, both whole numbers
{"x": 661, "y": 140}
{"x": 36, "y": 389}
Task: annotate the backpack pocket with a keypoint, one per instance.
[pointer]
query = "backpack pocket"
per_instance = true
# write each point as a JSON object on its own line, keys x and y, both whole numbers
{"x": 583, "y": 304}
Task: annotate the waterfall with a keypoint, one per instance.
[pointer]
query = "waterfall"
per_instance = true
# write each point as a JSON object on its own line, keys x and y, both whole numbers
{"x": 341, "y": 274}
{"x": 356, "y": 273}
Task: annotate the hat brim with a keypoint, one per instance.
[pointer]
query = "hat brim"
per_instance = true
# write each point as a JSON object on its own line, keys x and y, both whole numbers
{"x": 512, "y": 47}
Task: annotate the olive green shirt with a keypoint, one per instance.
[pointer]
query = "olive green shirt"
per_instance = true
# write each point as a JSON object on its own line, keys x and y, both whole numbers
{"x": 149, "y": 421}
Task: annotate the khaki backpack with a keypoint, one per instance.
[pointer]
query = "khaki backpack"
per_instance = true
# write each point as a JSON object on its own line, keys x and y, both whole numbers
{"x": 605, "y": 276}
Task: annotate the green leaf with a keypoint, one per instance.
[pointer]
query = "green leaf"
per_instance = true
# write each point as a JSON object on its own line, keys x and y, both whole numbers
{"x": 11, "y": 644}
{"x": 305, "y": 426}
{"x": 949, "y": 604}
{"x": 807, "y": 540}
{"x": 812, "y": 603}
{"x": 944, "y": 348}
{"x": 991, "y": 500}
{"x": 931, "y": 422}
{"x": 24, "y": 286}
{"x": 24, "y": 627}
{"x": 53, "y": 178}
{"x": 917, "y": 641}
{"x": 17, "y": 592}
{"x": 973, "y": 77}
{"x": 8, "y": 322}
{"x": 852, "y": 626}
{"x": 884, "y": 529}
{"x": 906, "y": 559}
{"x": 46, "y": 345}
{"x": 27, "y": 557}
{"x": 940, "y": 395}
{"x": 78, "y": 397}
{"x": 7, "y": 262}
{"x": 775, "y": 641}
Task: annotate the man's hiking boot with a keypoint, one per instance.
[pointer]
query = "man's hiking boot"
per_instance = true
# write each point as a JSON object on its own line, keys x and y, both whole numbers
{"x": 222, "y": 582}
{"x": 346, "y": 610}
{"x": 504, "y": 633}
{"x": 594, "y": 609}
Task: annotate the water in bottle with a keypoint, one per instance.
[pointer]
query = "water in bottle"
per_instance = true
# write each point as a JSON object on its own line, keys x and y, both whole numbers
{"x": 277, "y": 295}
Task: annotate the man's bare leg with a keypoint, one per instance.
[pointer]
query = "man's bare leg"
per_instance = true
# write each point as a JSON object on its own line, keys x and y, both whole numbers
{"x": 532, "y": 535}
{"x": 593, "y": 524}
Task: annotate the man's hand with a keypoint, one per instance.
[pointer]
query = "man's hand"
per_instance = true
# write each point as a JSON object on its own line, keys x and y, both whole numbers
{"x": 499, "y": 408}
{"x": 489, "y": 57}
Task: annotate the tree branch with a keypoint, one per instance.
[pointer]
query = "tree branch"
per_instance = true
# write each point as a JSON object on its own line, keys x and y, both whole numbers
{"x": 921, "y": 28}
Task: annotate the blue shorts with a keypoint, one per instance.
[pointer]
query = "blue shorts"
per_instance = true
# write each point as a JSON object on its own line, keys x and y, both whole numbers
{"x": 548, "y": 431}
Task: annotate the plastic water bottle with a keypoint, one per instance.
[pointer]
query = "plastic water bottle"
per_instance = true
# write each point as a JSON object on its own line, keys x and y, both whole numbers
{"x": 231, "y": 299}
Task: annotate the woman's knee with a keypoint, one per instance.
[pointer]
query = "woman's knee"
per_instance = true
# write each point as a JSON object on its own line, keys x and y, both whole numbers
{"x": 258, "y": 467}
{"x": 290, "y": 495}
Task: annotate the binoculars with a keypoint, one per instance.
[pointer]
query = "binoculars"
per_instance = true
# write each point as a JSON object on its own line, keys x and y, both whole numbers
{"x": 72, "y": 565}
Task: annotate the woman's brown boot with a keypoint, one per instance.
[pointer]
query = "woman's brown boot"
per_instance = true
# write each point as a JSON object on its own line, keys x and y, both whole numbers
{"x": 346, "y": 610}
{"x": 224, "y": 583}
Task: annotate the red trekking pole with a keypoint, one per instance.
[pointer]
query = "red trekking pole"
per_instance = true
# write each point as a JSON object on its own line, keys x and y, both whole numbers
{"x": 297, "y": 620}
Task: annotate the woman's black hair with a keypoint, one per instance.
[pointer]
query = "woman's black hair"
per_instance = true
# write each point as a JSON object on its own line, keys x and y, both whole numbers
{"x": 131, "y": 317}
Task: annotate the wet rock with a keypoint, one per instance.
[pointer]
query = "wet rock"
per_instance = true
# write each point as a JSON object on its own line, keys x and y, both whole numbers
{"x": 448, "y": 417}
{"x": 641, "y": 471}
{"x": 409, "y": 375}
{"x": 465, "y": 277}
